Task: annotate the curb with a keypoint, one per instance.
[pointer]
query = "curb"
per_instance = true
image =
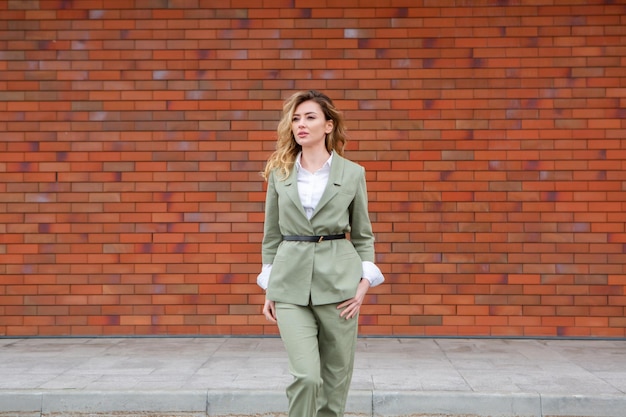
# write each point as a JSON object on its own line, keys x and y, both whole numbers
{"x": 212, "y": 403}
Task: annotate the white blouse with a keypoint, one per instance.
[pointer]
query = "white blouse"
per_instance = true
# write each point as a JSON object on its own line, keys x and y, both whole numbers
{"x": 311, "y": 186}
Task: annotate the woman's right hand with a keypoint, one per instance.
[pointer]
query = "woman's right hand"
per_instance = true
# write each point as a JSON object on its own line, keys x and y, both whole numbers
{"x": 269, "y": 310}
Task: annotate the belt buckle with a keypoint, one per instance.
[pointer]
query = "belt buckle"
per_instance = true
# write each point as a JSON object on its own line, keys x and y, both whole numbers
{"x": 321, "y": 238}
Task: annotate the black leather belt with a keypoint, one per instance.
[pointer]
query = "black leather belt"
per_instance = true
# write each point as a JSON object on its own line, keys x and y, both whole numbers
{"x": 317, "y": 239}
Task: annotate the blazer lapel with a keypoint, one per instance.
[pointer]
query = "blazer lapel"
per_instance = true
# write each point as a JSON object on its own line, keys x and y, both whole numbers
{"x": 291, "y": 189}
{"x": 334, "y": 183}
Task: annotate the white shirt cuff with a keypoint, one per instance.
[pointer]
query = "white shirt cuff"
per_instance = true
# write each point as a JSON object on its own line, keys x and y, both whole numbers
{"x": 263, "y": 278}
{"x": 372, "y": 273}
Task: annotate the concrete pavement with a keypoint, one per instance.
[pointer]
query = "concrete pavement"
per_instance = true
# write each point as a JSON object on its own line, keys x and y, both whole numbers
{"x": 247, "y": 376}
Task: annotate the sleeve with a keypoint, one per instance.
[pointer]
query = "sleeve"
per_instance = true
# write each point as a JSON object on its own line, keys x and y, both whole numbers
{"x": 361, "y": 234}
{"x": 263, "y": 279}
{"x": 373, "y": 274}
{"x": 271, "y": 230}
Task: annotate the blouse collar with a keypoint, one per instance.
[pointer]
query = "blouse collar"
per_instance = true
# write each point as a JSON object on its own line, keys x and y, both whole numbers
{"x": 326, "y": 164}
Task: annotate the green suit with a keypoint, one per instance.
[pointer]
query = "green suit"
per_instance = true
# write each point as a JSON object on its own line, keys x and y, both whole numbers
{"x": 308, "y": 280}
{"x": 329, "y": 271}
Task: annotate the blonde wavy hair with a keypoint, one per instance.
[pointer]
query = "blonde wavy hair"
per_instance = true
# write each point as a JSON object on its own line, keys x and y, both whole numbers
{"x": 287, "y": 148}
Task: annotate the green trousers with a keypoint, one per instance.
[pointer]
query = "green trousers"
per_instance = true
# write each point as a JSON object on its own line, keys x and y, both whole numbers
{"x": 320, "y": 346}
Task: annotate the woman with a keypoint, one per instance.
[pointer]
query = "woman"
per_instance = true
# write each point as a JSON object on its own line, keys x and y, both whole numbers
{"x": 315, "y": 278}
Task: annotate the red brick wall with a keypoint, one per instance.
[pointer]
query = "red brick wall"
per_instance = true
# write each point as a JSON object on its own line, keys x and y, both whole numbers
{"x": 493, "y": 133}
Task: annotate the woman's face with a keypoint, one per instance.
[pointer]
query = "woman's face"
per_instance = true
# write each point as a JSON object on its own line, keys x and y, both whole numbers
{"x": 309, "y": 125}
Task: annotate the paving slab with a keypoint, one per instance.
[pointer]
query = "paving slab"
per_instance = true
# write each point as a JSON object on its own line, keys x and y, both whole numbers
{"x": 247, "y": 376}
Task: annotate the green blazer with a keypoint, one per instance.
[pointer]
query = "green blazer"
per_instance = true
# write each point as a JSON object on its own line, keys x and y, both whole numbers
{"x": 318, "y": 273}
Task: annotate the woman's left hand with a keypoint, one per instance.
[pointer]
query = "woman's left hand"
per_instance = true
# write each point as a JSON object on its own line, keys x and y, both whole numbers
{"x": 352, "y": 306}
